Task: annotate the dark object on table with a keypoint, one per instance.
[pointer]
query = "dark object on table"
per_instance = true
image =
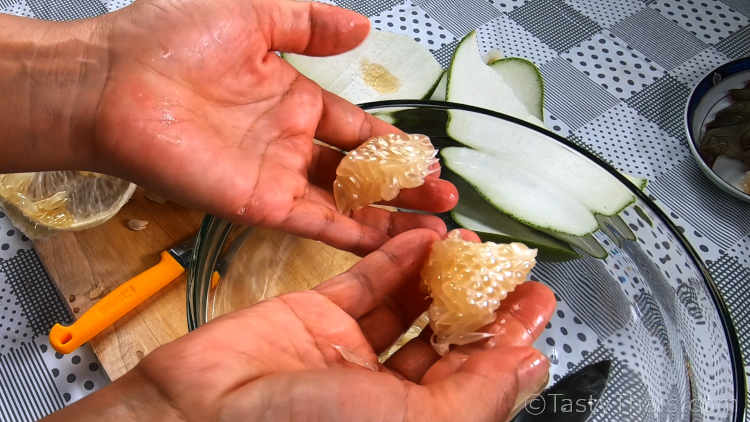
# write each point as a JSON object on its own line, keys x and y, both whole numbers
{"x": 729, "y": 133}
{"x": 572, "y": 399}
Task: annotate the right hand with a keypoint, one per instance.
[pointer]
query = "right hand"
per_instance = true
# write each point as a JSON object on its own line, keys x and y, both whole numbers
{"x": 276, "y": 361}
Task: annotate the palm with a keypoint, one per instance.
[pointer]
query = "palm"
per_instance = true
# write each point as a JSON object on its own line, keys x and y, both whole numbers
{"x": 198, "y": 106}
{"x": 282, "y": 352}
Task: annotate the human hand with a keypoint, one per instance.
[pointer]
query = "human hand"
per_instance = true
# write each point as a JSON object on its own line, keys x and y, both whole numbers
{"x": 197, "y": 106}
{"x": 276, "y": 360}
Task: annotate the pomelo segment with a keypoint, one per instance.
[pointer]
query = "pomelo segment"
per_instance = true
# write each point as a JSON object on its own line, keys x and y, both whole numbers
{"x": 467, "y": 282}
{"x": 379, "y": 168}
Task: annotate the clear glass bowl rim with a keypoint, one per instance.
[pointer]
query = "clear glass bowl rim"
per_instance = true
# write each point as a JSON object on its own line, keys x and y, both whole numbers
{"x": 214, "y": 231}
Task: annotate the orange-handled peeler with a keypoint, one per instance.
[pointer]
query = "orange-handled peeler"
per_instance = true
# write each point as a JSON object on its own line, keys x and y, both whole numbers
{"x": 123, "y": 299}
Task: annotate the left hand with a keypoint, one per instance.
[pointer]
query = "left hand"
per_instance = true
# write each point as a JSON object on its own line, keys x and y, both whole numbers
{"x": 197, "y": 105}
{"x": 188, "y": 99}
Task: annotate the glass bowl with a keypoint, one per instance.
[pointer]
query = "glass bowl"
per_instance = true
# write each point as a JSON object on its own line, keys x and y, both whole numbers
{"x": 650, "y": 307}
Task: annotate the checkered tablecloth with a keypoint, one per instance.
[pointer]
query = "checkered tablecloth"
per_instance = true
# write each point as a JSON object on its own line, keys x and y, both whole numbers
{"x": 617, "y": 73}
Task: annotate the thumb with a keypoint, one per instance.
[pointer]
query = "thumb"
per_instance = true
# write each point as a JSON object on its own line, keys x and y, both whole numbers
{"x": 487, "y": 385}
{"x": 309, "y": 28}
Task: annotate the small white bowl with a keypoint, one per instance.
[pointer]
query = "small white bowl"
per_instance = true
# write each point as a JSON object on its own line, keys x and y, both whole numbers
{"x": 710, "y": 96}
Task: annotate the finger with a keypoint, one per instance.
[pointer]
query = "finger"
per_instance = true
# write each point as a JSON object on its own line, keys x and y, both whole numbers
{"x": 323, "y": 166}
{"x": 522, "y": 315}
{"x": 385, "y": 324}
{"x": 520, "y": 320}
{"x": 483, "y": 388}
{"x": 388, "y": 222}
{"x": 314, "y": 220}
{"x": 320, "y": 196}
{"x": 415, "y": 358}
{"x": 315, "y": 216}
{"x": 366, "y": 284}
{"x": 435, "y": 195}
{"x": 486, "y": 384}
{"x": 393, "y": 223}
{"x": 382, "y": 326}
{"x": 309, "y": 28}
{"x": 467, "y": 235}
{"x": 345, "y": 125}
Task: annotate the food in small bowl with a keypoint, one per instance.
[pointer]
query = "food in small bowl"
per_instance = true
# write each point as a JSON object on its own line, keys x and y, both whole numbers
{"x": 717, "y": 118}
{"x": 726, "y": 143}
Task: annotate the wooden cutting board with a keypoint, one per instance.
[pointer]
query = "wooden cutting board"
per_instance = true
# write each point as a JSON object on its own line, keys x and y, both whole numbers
{"x": 87, "y": 265}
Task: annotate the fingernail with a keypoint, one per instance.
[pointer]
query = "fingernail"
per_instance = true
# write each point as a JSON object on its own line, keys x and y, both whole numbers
{"x": 533, "y": 374}
{"x": 454, "y": 233}
{"x": 456, "y": 360}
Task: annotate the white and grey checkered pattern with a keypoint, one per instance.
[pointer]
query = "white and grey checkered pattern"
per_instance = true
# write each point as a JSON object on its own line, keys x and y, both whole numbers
{"x": 618, "y": 73}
